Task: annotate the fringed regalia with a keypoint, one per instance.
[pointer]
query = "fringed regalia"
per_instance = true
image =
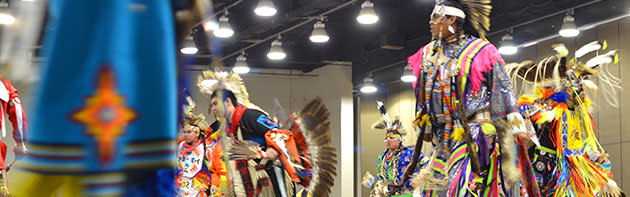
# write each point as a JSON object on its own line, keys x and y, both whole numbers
{"x": 464, "y": 98}
{"x": 569, "y": 160}
{"x": 392, "y": 163}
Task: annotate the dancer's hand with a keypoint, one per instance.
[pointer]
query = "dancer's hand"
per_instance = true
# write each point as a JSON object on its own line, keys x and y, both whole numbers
{"x": 602, "y": 157}
{"x": 521, "y": 137}
{"x": 270, "y": 153}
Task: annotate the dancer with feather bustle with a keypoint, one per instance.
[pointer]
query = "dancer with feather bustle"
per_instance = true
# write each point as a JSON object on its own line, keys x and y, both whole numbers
{"x": 265, "y": 159}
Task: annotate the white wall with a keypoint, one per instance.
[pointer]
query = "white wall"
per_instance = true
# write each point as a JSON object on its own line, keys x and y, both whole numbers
{"x": 332, "y": 83}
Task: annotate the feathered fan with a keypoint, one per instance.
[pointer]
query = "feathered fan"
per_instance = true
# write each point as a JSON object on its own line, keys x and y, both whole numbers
{"x": 316, "y": 160}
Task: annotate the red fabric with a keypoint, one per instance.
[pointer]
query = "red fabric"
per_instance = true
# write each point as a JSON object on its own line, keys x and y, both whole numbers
{"x": 236, "y": 118}
{"x": 9, "y": 108}
{"x": 300, "y": 141}
{"x": 186, "y": 148}
{"x": 291, "y": 147}
{"x": 3, "y": 154}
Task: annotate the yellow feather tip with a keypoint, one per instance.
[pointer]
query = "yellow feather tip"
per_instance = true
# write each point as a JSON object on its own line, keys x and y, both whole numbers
{"x": 616, "y": 58}
{"x": 488, "y": 128}
{"x": 458, "y": 134}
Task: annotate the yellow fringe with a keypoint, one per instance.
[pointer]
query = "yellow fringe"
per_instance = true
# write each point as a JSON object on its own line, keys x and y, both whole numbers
{"x": 423, "y": 121}
{"x": 488, "y": 128}
{"x": 458, "y": 134}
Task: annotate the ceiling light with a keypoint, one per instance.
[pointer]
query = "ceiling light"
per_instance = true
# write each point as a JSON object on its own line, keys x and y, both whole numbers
{"x": 368, "y": 86}
{"x": 210, "y": 25}
{"x": 319, "y": 34}
{"x": 5, "y": 15}
{"x": 569, "y": 29}
{"x": 507, "y": 45}
{"x": 188, "y": 47}
{"x": 367, "y": 14}
{"x": 225, "y": 29}
{"x": 408, "y": 76}
{"x": 241, "y": 66}
{"x": 6, "y": 19}
{"x": 265, "y": 8}
{"x": 276, "y": 52}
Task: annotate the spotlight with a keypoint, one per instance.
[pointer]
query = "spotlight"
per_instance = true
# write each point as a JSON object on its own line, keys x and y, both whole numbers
{"x": 265, "y": 8}
{"x": 319, "y": 34}
{"x": 188, "y": 47}
{"x": 6, "y": 18}
{"x": 368, "y": 86}
{"x": 507, "y": 45}
{"x": 367, "y": 14}
{"x": 276, "y": 52}
{"x": 225, "y": 29}
{"x": 241, "y": 66}
{"x": 569, "y": 29}
{"x": 408, "y": 76}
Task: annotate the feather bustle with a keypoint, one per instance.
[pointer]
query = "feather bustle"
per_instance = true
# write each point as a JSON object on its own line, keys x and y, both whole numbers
{"x": 313, "y": 121}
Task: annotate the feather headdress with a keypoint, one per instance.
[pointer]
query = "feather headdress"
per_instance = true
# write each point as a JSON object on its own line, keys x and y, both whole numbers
{"x": 208, "y": 83}
{"x": 559, "y": 72}
{"x": 190, "y": 119}
{"x": 475, "y": 12}
{"x": 393, "y": 127}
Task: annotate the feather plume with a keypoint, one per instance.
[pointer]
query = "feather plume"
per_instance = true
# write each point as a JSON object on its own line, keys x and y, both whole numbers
{"x": 612, "y": 190}
{"x": 391, "y": 125}
{"x": 560, "y": 49}
{"x": 313, "y": 120}
{"x": 526, "y": 100}
{"x": 590, "y": 85}
{"x": 587, "y": 48}
{"x": 601, "y": 59}
{"x": 478, "y": 13}
{"x": 260, "y": 178}
{"x": 244, "y": 150}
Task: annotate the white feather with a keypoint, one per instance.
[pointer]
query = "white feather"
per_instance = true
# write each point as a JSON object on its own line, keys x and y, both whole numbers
{"x": 601, "y": 59}
{"x": 590, "y": 85}
{"x": 587, "y": 48}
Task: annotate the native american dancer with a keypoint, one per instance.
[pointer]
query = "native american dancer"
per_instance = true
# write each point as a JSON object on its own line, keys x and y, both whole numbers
{"x": 463, "y": 99}
{"x": 193, "y": 174}
{"x": 267, "y": 160}
{"x": 569, "y": 160}
{"x": 199, "y": 169}
{"x": 393, "y": 161}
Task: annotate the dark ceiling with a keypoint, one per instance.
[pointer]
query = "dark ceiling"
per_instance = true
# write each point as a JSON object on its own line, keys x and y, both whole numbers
{"x": 402, "y": 23}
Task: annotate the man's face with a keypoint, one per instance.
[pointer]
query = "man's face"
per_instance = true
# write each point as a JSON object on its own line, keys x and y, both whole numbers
{"x": 228, "y": 108}
{"x": 392, "y": 143}
{"x": 435, "y": 22}
{"x": 580, "y": 92}
{"x": 191, "y": 133}
{"x": 214, "y": 107}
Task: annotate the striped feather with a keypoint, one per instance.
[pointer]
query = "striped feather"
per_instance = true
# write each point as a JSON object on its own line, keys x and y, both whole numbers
{"x": 314, "y": 121}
